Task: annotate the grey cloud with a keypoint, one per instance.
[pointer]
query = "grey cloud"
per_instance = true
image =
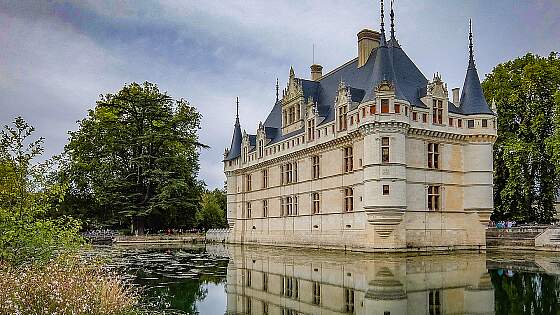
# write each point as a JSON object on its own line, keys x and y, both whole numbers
{"x": 56, "y": 57}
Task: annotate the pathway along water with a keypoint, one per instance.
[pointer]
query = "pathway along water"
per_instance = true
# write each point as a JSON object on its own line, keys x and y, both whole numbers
{"x": 220, "y": 279}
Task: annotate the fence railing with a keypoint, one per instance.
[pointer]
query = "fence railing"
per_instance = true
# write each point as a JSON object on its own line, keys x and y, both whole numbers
{"x": 217, "y": 235}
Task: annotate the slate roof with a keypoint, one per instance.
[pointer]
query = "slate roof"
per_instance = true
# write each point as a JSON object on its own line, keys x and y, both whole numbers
{"x": 387, "y": 62}
{"x": 472, "y": 97}
{"x": 235, "y": 148}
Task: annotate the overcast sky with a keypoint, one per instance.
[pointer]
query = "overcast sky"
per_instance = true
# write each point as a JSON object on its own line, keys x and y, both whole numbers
{"x": 56, "y": 57}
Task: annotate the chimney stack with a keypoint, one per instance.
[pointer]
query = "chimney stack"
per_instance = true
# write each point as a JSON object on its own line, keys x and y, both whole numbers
{"x": 456, "y": 96}
{"x": 316, "y": 72}
{"x": 368, "y": 40}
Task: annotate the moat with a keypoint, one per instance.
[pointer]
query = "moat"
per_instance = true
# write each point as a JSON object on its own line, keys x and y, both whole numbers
{"x": 219, "y": 279}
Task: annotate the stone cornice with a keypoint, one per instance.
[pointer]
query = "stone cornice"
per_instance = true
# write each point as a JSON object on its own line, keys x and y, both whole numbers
{"x": 331, "y": 144}
{"x": 386, "y": 126}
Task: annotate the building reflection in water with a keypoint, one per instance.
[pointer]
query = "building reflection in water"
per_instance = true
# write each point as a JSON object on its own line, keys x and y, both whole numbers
{"x": 265, "y": 280}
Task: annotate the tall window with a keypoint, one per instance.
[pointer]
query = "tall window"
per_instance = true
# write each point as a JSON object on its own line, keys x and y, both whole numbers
{"x": 437, "y": 112}
{"x": 485, "y": 123}
{"x": 460, "y": 123}
{"x": 245, "y": 155}
{"x": 248, "y": 278}
{"x": 433, "y": 155}
{"x": 248, "y": 182}
{"x": 265, "y": 282}
{"x": 316, "y": 293}
{"x": 372, "y": 110}
{"x": 348, "y": 160}
{"x": 450, "y": 121}
{"x": 265, "y": 178}
{"x": 315, "y": 161}
{"x": 291, "y": 115}
{"x": 282, "y": 206}
{"x": 265, "y": 208}
{"x": 349, "y": 300}
{"x": 414, "y": 116}
{"x": 310, "y": 130}
{"x": 384, "y": 106}
{"x": 434, "y": 302}
{"x": 342, "y": 113}
{"x": 261, "y": 148}
{"x": 290, "y": 287}
{"x": 294, "y": 205}
{"x": 348, "y": 199}
{"x": 397, "y": 108}
{"x": 385, "y": 150}
{"x": 249, "y": 209}
{"x": 289, "y": 173}
{"x": 434, "y": 197}
{"x": 470, "y": 123}
{"x": 424, "y": 118}
{"x": 316, "y": 203}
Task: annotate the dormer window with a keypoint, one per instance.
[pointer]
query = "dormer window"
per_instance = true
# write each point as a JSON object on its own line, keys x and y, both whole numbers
{"x": 384, "y": 106}
{"x": 261, "y": 148}
{"x": 310, "y": 130}
{"x": 342, "y": 117}
{"x": 437, "y": 112}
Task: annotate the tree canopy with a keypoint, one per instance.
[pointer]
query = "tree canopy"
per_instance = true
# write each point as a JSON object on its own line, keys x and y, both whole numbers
{"x": 526, "y": 92}
{"x": 134, "y": 159}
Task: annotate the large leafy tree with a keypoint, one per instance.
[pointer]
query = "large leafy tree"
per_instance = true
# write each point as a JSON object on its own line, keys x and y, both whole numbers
{"x": 525, "y": 92}
{"x": 135, "y": 159}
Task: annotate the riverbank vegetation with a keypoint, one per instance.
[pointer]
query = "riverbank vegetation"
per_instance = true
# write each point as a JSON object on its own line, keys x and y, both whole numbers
{"x": 38, "y": 273}
{"x": 526, "y": 93}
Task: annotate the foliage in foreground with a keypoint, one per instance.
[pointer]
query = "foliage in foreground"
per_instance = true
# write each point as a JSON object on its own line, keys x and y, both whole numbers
{"x": 64, "y": 286}
{"x": 28, "y": 234}
{"x": 526, "y": 92}
{"x": 135, "y": 159}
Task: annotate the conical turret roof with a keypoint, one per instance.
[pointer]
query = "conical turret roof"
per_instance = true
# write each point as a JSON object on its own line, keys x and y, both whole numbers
{"x": 472, "y": 97}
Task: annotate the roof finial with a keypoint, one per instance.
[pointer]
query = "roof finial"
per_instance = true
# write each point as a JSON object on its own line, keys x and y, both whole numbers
{"x": 277, "y": 89}
{"x": 392, "y": 21}
{"x": 382, "y": 20}
{"x": 237, "y": 111}
{"x": 471, "y": 54}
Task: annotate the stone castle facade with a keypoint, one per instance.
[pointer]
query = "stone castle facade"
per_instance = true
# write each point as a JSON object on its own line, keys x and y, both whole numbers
{"x": 371, "y": 156}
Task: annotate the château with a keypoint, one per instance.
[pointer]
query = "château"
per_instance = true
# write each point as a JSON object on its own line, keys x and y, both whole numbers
{"x": 371, "y": 156}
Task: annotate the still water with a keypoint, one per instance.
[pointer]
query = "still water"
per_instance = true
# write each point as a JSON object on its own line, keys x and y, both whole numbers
{"x": 218, "y": 279}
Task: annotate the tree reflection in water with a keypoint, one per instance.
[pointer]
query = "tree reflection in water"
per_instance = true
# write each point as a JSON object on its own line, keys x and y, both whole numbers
{"x": 268, "y": 280}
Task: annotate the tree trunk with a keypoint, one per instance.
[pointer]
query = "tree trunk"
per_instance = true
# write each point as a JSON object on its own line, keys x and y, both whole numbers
{"x": 138, "y": 225}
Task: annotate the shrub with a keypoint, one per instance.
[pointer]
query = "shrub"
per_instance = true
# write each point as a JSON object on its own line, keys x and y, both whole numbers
{"x": 64, "y": 285}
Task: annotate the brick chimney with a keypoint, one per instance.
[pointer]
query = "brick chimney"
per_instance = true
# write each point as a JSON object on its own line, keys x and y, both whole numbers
{"x": 368, "y": 40}
{"x": 456, "y": 96}
{"x": 316, "y": 72}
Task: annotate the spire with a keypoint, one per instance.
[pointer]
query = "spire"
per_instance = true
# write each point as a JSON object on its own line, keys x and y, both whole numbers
{"x": 237, "y": 112}
{"x": 392, "y": 21}
{"x": 471, "y": 54}
{"x": 277, "y": 89}
{"x": 383, "y": 40}
{"x": 235, "y": 148}
{"x": 472, "y": 96}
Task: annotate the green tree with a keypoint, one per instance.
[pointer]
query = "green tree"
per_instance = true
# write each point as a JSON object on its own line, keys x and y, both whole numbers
{"x": 212, "y": 212}
{"x": 525, "y": 92}
{"x": 27, "y": 233}
{"x": 135, "y": 159}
